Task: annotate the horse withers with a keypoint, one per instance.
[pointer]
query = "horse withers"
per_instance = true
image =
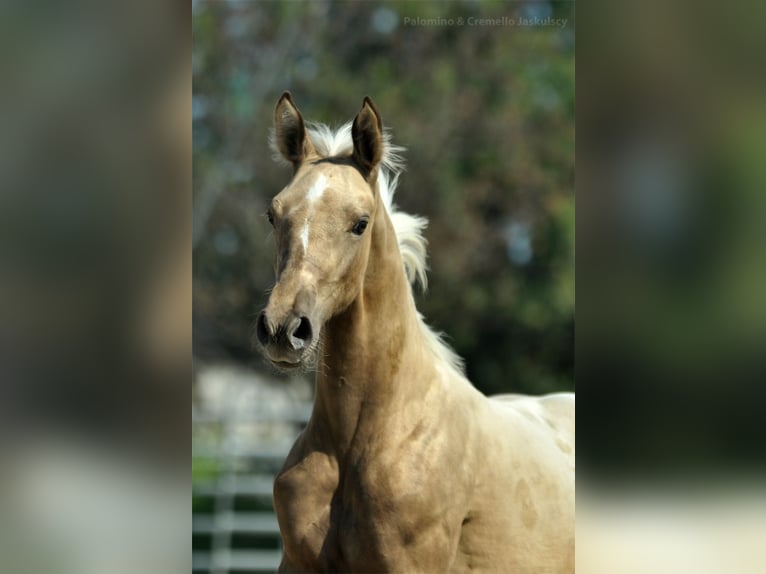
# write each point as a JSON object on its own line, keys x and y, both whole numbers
{"x": 404, "y": 466}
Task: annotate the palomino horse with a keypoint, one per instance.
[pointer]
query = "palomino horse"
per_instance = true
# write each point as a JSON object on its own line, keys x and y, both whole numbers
{"x": 404, "y": 466}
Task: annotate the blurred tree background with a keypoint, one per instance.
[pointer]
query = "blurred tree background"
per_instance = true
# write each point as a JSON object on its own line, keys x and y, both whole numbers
{"x": 486, "y": 113}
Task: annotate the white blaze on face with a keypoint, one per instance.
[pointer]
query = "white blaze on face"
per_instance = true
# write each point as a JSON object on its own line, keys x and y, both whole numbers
{"x": 316, "y": 190}
{"x": 314, "y": 194}
{"x": 305, "y": 236}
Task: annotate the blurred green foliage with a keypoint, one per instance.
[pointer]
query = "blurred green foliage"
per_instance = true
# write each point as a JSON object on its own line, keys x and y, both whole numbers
{"x": 487, "y": 116}
{"x": 672, "y": 243}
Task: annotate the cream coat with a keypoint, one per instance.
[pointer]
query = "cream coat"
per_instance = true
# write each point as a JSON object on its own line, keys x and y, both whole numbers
{"x": 404, "y": 466}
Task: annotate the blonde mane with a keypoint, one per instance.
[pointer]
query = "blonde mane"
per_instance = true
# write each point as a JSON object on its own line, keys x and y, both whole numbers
{"x": 330, "y": 142}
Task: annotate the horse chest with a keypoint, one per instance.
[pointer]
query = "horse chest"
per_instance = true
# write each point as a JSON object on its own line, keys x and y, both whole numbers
{"x": 336, "y": 521}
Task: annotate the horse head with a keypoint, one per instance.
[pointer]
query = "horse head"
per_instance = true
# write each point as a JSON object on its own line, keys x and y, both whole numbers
{"x": 323, "y": 221}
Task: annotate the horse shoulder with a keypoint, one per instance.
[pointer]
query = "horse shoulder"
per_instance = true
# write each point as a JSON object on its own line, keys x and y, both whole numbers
{"x": 414, "y": 487}
{"x": 303, "y": 492}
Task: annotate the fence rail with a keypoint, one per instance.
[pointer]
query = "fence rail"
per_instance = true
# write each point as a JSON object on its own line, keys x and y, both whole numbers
{"x": 234, "y": 528}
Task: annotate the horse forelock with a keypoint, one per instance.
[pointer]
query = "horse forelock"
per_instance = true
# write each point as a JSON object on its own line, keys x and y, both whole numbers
{"x": 329, "y": 142}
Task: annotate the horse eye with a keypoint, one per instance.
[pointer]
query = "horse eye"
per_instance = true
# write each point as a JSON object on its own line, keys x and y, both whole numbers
{"x": 360, "y": 226}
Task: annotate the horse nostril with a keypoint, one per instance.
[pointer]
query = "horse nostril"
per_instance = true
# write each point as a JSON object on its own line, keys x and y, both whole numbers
{"x": 262, "y": 330}
{"x": 301, "y": 336}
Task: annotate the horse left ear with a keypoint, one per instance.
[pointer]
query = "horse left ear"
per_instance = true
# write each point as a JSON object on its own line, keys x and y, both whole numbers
{"x": 367, "y": 133}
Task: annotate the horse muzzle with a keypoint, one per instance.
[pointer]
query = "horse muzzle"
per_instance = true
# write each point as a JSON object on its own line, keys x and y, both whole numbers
{"x": 285, "y": 344}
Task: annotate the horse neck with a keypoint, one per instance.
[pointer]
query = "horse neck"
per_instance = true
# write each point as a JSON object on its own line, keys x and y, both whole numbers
{"x": 373, "y": 353}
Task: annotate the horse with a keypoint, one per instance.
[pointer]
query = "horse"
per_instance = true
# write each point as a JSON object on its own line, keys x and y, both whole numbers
{"x": 404, "y": 466}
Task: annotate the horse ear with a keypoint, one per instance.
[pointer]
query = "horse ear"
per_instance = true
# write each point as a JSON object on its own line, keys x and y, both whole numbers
{"x": 290, "y": 131}
{"x": 367, "y": 133}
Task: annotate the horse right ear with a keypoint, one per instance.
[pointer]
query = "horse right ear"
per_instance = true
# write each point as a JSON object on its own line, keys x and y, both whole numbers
{"x": 290, "y": 132}
{"x": 367, "y": 135}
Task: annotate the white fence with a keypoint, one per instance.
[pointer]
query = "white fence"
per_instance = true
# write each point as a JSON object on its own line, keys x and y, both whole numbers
{"x": 243, "y": 427}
